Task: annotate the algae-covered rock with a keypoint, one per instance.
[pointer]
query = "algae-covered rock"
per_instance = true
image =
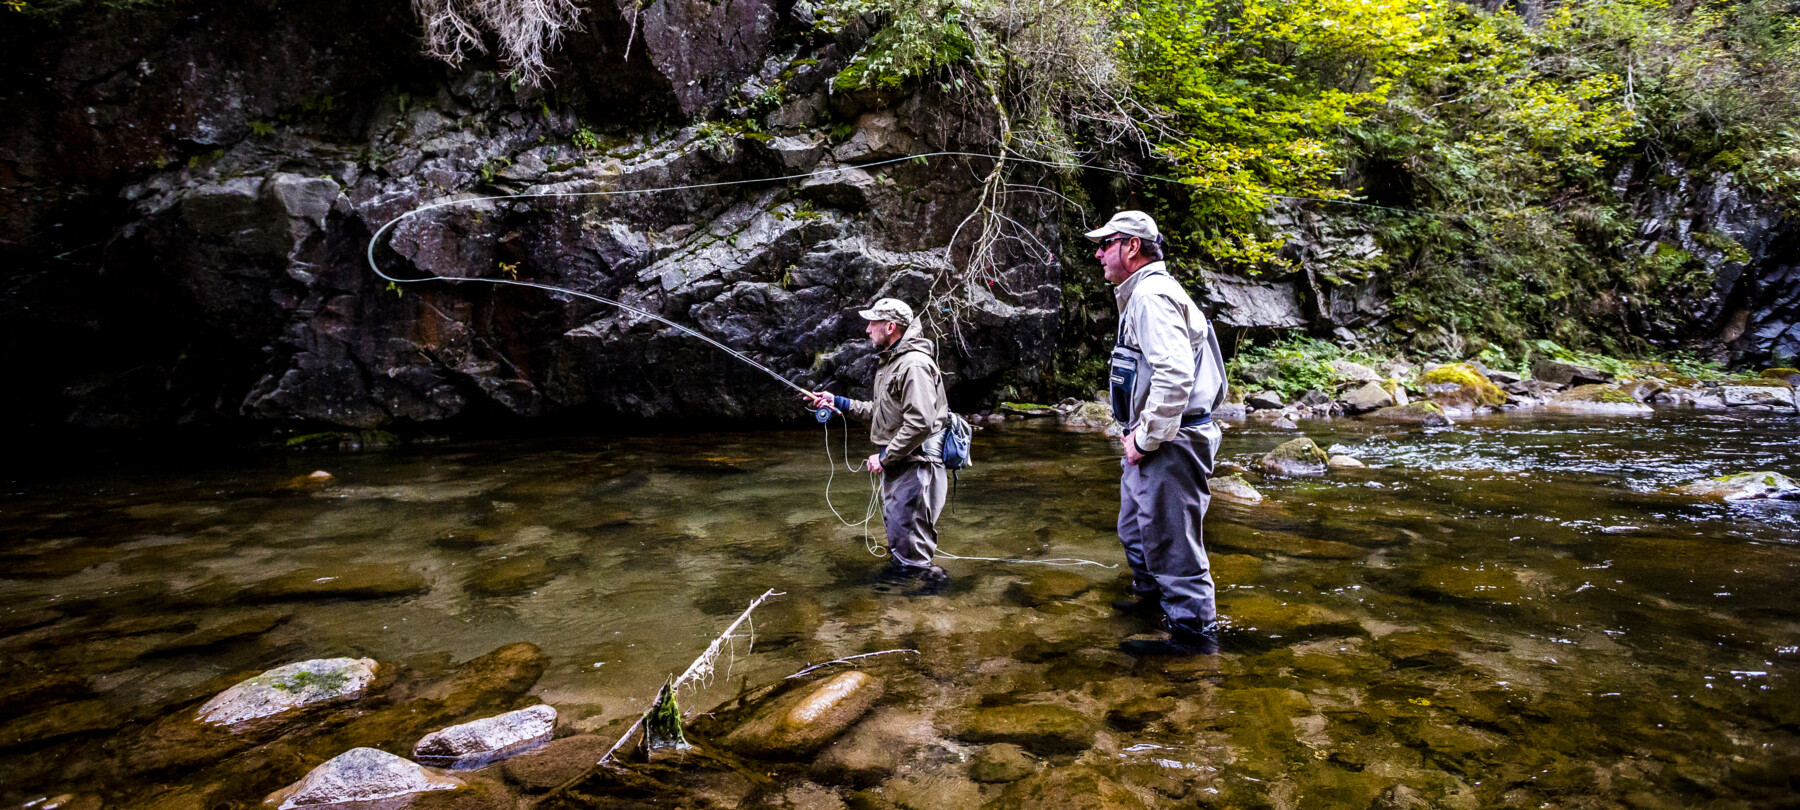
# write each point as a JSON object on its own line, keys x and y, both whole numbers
{"x": 874, "y": 748}
{"x": 361, "y": 775}
{"x": 1298, "y": 457}
{"x": 804, "y": 720}
{"x": 1048, "y": 586}
{"x": 1482, "y": 583}
{"x": 1342, "y": 462}
{"x": 365, "y": 581}
{"x": 1001, "y": 762}
{"x": 1086, "y": 416}
{"x": 1791, "y": 376}
{"x": 1289, "y": 545}
{"x": 1138, "y": 712}
{"x": 478, "y": 743}
{"x": 1270, "y": 617}
{"x": 556, "y": 762}
{"x": 1076, "y": 787}
{"x": 1745, "y": 487}
{"x": 289, "y": 687}
{"x": 1234, "y": 488}
{"x": 1768, "y": 392}
{"x": 1422, "y": 412}
{"x": 1041, "y": 729}
{"x": 1460, "y": 386}
{"x": 1597, "y": 399}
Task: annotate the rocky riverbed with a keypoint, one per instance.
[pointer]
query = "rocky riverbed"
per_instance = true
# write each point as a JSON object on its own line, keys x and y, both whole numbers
{"x": 1508, "y": 610}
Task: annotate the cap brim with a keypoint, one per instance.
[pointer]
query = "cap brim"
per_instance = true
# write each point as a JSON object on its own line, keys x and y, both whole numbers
{"x": 1099, "y": 233}
{"x": 869, "y": 315}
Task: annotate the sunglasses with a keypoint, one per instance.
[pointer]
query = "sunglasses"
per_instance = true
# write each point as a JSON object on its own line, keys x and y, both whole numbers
{"x": 1106, "y": 243}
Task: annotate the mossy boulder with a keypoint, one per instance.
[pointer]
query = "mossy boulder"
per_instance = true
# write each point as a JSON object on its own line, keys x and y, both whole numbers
{"x": 1460, "y": 386}
{"x": 803, "y": 720}
{"x": 1745, "y": 487}
{"x": 1597, "y": 399}
{"x": 1045, "y": 730}
{"x": 1422, "y": 412}
{"x": 1234, "y": 488}
{"x": 1791, "y": 376}
{"x": 1298, "y": 457}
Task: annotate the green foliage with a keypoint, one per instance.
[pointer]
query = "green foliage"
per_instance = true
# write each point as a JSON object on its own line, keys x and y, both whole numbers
{"x": 920, "y": 37}
{"x": 586, "y": 139}
{"x": 1258, "y": 92}
{"x": 1292, "y": 366}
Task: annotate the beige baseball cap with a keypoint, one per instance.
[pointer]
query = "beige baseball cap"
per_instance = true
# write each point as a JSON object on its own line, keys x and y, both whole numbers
{"x": 889, "y": 309}
{"x": 1128, "y": 223}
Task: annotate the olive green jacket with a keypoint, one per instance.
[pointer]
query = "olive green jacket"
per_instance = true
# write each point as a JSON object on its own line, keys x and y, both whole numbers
{"x": 909, "y": 412}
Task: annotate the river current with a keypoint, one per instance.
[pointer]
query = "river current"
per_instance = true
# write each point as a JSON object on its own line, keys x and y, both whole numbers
{"x": 1513, "y": 611}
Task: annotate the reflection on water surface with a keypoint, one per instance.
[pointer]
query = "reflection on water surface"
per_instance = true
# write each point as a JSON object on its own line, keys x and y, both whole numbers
{"x": 1510, "y": 612}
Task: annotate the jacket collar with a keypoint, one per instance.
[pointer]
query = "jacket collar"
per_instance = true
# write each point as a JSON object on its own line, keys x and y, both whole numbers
{"x": 1123, "y": 293}
{"x": 913, "y": 339}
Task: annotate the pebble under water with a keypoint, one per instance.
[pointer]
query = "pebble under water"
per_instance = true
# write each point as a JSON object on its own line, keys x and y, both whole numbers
{"x": 1510, "y": 612}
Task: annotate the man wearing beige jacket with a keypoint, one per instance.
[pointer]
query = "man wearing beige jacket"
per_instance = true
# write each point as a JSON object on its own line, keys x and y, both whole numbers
{"x": 907, "y": 418}
{"x": 1167, "y": 377}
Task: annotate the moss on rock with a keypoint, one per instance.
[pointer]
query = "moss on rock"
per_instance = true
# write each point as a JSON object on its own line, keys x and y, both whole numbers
{"x": 1298, "y": 457}
{"x": 1471, "y": 389}
{"x": 1423, "y": 412}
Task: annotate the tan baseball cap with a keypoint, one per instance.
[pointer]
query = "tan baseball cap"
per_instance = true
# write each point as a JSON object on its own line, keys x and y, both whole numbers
{"x": 1128, "y": 223}
{"x": 889, "y": 309}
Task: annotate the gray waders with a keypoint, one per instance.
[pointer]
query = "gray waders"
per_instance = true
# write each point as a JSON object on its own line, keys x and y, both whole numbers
{"x": 1162, "y": 505}
{"x": 912, "y": 498}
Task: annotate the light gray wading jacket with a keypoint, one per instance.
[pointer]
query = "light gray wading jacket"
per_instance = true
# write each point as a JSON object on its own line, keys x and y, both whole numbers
{"x": 1178, "y": 367}
{"x": 910, "y": 410}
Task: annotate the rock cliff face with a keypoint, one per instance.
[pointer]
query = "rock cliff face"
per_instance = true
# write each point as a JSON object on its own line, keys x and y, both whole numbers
{"x": 190, "y": 228}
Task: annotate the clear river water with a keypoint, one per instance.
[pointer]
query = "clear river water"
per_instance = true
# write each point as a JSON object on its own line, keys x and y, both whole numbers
{"x": 1510, "y": 612}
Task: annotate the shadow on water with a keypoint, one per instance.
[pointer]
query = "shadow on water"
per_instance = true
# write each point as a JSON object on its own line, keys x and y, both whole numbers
{"x": 1511, "y": 612}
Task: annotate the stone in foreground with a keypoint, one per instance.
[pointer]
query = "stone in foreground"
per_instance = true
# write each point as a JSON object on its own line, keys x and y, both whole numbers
{"x": 289, "y": 687}
{"x": 472, "y": 745}
{"x": 1298, "y": 457}
{"x": 1746, "y": 486}
{"x": 361, "y": 775}
{"x": 804, "y": 720}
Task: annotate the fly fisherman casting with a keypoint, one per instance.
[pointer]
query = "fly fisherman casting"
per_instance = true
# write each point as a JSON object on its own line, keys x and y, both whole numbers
{"x": 907, "y": 418}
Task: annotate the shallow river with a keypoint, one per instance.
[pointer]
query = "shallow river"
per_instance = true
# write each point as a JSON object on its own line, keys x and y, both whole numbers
{"x": 1507, "y": 613}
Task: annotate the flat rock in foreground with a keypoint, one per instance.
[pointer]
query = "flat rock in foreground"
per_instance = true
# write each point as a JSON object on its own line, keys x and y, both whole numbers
{"x": 289, "y": 687}
{"x": 361, "y": 775}
{"x": 474, "y": 744}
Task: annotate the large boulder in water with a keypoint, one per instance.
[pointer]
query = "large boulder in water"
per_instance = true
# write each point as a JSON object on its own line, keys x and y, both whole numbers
{"x": 1597, "y": 399}
{"x": 1745, "y": 487}
{"x": 361, "y": 775}
{"x": 1559, "y": 373}
{"x": 1301, "y": 456}
{"x": 1367, "y": 397}
{"x": 289, "y": 687}
{"x": 475, "y": 744}
{"x": 805, "y": 719}
{"x": 1459, "y": 386}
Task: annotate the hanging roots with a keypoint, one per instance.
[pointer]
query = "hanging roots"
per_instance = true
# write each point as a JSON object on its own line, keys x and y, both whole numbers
{"x": 527, "y": 30}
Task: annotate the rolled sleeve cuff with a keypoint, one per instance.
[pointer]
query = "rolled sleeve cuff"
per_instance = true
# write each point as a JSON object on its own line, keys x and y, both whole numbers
{"x": 1144, "y": 440}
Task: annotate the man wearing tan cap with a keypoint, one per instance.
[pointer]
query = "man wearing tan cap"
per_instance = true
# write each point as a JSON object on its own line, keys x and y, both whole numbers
{"x": 907, "y": 418}
{"x": 1166, "y": 377}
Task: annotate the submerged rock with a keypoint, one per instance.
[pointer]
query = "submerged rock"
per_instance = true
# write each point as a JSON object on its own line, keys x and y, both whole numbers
{"x": 472, "y": 745}
{"x": 289, "y": 687}
{"x": 874, "y": 749}
{"x": 1342, "y": 462}
{"x": 1421, "y": 412}
{"x": 1298, "y": 457}
{"x": 1286, "y": 620}
{"x": 556, "y": 762}
{"x": 1041, "y": 729}
{"x": 1488, "y": 584}
{"x": 367, "y": 581}
{"x": 1001, "y": 762}
{"x": 362, "y": 775}
{"x": 1068, "y": 788}
{"x": 1048, "y": 586}
{"x": 1234, "y": 488}
{"x": 1745, "y": 487}
{"x": 1597, "y": 399}
{"x": 805, "y": 719}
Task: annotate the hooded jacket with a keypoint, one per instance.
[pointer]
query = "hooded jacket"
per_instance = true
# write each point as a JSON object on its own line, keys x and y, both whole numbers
{"x": 909, "y": 411}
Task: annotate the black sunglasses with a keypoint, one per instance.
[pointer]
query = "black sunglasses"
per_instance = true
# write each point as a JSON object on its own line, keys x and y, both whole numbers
{"x": 1106, "y": 243}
